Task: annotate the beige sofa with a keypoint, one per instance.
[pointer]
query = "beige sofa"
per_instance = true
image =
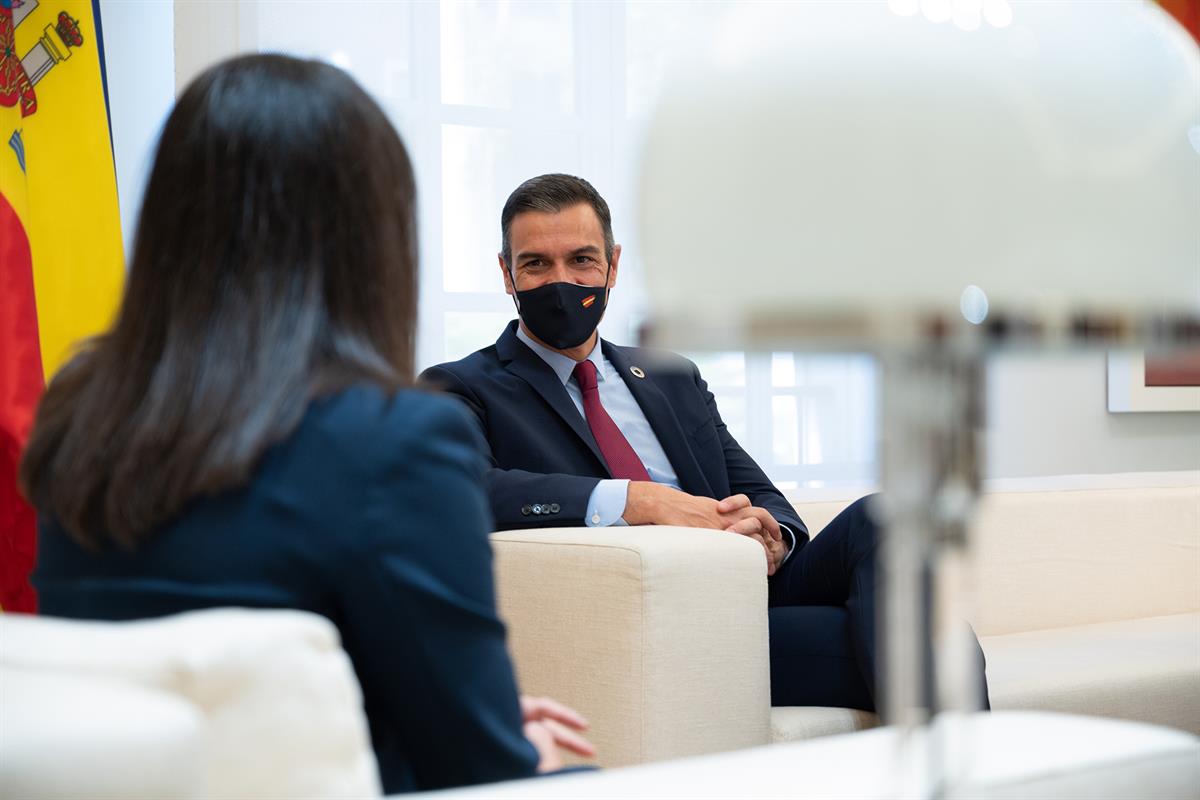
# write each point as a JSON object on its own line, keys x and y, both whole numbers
{"x": 1088, "y": 602}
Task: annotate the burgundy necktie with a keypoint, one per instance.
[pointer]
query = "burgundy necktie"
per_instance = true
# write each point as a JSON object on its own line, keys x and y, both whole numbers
{"x": 621, "y": 458}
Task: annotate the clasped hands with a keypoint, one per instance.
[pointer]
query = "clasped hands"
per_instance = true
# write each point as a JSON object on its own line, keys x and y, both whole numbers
{"x": 650, "y": 503}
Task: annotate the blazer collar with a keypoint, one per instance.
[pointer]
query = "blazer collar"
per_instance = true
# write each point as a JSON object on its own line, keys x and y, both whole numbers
{"x": 563, "y": 366}
{"x": 518, "y": 359}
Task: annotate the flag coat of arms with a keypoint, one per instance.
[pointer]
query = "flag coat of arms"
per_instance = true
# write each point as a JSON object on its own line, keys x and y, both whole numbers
{"x": 61, "y": 259}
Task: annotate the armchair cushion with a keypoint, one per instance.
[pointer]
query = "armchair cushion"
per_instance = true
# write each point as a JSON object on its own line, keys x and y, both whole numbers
{"x": 1142, "y": 669}
{"x": 614, "y": 622}
{"x": 278, "y": 705}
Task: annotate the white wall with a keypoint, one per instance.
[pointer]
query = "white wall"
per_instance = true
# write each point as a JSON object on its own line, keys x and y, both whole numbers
{"x": 1048, "y": 415}
{"x": 207, "y": 31}
{"x": 139, "y": 56}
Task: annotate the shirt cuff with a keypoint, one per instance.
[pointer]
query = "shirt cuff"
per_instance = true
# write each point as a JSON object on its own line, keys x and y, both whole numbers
{"x": 607, "y": 503}
{"x": 790, "y": 537}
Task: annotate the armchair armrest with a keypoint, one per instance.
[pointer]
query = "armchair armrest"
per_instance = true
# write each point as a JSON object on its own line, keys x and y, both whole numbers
{"x": 658, "y": 635}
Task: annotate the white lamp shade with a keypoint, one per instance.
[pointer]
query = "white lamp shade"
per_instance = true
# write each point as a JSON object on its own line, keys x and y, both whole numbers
{"x": 842, "y": 159}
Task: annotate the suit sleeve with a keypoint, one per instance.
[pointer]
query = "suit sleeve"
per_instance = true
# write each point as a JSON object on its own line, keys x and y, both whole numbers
{"x": 746, "y": 477}
{"x": 514, "y": 493}
{"x": 419, "y": 610}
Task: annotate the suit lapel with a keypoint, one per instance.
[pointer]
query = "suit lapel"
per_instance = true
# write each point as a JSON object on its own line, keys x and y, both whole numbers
{"x": 663, "y": 421}
{"x": 524, "y": 363}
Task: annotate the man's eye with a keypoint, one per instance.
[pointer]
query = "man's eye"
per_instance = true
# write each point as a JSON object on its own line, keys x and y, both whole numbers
{"x": 584, "y": 259}
{"x": 537, "y": 262}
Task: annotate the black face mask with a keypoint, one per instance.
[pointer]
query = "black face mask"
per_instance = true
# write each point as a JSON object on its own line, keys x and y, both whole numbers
{"x": 563, "y": 315}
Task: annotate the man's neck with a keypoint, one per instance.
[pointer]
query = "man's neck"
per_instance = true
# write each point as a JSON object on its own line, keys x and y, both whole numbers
{"x": 578, "y": 353}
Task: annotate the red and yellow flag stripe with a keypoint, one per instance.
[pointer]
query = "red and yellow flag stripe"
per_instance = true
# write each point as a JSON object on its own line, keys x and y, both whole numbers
{"x": 61, "y": 259}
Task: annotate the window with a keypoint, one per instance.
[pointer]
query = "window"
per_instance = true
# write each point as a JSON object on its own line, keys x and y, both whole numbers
{"x": 487, "y": 93}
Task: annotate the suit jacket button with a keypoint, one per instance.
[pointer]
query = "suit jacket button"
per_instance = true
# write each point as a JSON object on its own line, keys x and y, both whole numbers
{"x": 525, "y": 510}
{"x": 554, "y": 508}
{"x": 537, "y": 509}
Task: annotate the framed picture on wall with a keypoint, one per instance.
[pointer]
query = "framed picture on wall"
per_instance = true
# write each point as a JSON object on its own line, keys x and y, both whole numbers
{"x": 1141, "y": 382}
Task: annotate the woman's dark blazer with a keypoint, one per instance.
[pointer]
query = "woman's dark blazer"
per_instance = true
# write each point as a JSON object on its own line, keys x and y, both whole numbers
{"x": 372, "y": 513}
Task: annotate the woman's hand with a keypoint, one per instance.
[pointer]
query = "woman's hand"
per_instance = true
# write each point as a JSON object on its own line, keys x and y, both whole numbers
{"x": 550, "y": 725}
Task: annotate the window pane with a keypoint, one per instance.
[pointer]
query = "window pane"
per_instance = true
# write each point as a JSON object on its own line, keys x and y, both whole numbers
{"x": 480, "y": 168}
{"x": 812, "y": 442}
{"x": 783, "y": 369}
{"x": 721, "y": 369}
{"x": 505, "y": 54}
{"x": 838, "y": 424}
{"x": 468, "y": 331}
{"x": 830, "y": 369}
{"x": 656, "y": 32}
{"x": 470, "y": 210}
{"x": 370, "y": 40}
{"x": 785, "y": 430}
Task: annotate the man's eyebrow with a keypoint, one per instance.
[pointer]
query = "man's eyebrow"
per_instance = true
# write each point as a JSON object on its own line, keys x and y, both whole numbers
{"x": 586, "y": 250}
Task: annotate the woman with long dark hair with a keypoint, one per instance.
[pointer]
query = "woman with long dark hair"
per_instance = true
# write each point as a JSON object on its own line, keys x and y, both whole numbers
{"x": 242, "y": 436}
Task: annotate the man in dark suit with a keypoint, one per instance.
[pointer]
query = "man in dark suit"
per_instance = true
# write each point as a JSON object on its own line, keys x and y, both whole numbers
{"x": 585, "y": 432}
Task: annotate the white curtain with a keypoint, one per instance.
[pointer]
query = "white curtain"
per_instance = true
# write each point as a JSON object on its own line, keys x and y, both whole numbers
{"x": 487, "y": 93}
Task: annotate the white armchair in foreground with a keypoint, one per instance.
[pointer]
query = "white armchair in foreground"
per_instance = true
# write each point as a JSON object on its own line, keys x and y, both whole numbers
{"x": 226, "y": 703}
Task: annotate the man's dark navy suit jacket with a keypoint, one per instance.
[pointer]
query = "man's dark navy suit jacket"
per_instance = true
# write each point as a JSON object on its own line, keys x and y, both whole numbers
{"x": 543, "y": 454}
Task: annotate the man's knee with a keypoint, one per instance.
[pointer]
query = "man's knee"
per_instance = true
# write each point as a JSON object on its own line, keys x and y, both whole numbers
{"x": 865, "y": 506}
{"x": 864, "y": 526}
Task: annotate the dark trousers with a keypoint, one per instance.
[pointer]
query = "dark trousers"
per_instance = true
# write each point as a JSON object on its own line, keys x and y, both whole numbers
{"x": 822, "y": 618}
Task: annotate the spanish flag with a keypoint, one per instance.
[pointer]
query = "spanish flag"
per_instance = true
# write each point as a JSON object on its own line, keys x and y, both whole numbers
{"x": 61, "y": 262}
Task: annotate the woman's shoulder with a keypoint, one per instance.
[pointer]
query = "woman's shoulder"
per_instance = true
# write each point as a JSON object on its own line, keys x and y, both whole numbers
{"x": 366, "y": 418}
{"x": 388, "y": 455}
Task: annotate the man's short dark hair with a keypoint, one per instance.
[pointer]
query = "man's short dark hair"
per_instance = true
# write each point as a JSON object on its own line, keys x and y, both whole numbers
{"x": 551, "y": 194}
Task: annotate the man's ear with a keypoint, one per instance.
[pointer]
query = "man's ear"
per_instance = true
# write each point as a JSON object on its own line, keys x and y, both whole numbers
{"x": 612, "y": 270}
{"x": 508, "y": 284}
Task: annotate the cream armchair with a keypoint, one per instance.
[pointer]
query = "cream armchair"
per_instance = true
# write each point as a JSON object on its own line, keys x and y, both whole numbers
{"x": 657, "y": 634}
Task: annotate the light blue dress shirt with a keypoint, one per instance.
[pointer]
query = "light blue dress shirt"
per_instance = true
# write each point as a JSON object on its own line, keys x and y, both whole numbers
{"x": 607, "y": 501}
